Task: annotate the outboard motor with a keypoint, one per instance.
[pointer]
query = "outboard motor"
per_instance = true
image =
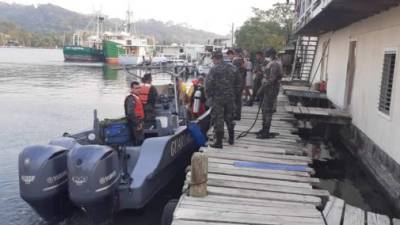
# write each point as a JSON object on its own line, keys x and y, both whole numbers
{"x": 43, "y": 181}
{"x": 94, "y": 175}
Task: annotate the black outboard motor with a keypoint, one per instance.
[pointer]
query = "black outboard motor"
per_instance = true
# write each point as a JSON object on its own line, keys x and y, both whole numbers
{"x": 43, "y": 181}
{"x": 94, "y": 175}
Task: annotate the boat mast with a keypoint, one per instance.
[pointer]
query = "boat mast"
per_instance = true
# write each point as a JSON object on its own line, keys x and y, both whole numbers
{"x": 98, "y": 26}
{"x": 130, "y": 27}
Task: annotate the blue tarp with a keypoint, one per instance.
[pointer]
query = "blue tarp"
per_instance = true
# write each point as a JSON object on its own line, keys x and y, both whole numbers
{"x": 197, "y": 134}
{"x": 270, "y": 166}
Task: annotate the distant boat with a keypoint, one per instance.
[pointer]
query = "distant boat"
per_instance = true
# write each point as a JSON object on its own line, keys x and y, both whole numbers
{"x": 89, "y": 50}
{"x": 82, "y": 54}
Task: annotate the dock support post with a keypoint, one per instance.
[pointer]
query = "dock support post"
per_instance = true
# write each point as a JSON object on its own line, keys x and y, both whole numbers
{"x": 198, "y": 186}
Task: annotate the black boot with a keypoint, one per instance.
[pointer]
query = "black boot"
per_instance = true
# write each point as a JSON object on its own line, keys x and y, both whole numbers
{"x": 264, "y": 132}
{"x": 265, "y": 135}
{"x": 260, "y": 131}
{"x": 218, "y": 140}
{"x": 249, "y": 103}
{"x": 231, "y": 133}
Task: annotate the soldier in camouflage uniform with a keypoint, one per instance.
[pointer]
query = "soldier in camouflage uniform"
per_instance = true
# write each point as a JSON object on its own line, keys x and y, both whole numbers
{"x": 269, "y": 92}
{"x": 219, "y": 90}
{"x": 240, "y": 73}
{"x": 259, "y": 74}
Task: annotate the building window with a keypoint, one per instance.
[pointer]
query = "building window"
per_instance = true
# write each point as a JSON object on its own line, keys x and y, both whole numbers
{"x": 385, "y": 98}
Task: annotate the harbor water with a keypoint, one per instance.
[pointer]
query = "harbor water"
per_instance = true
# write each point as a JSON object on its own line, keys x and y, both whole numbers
{"x": 41, "y": 97}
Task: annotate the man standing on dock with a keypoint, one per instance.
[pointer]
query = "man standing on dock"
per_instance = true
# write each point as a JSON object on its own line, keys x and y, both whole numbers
{"x": 269, "y": 92}
{"x": 219, "y": 88}
{"x": 238, "y": 62}
{"x": 260, "y": 63}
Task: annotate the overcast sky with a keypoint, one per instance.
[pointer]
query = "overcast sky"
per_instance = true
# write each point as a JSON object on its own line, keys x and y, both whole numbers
{"x": 211, "y": 15}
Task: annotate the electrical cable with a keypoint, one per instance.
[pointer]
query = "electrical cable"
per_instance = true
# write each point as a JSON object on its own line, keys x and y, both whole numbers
{"x": 245, "y": 133}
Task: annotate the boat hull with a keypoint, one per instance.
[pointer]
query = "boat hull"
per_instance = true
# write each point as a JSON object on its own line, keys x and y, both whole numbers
{"x": 159, "y": 162}
{"x": 112, "y": 51}
{"x": 82, "y": 54}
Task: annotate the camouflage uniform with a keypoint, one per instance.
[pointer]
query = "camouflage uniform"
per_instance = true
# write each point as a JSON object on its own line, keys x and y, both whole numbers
{"x": 269, "y": 91}
{"x": 150, "y": 108}
{"x": 238, "y": 62}
{"x": 259, "y": 73}
{"x": 135, "y": 124}
{"x": 219, "y": 90}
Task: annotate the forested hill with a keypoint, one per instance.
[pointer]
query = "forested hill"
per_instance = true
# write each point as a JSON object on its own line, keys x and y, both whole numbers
{"x": 48, "y": 23}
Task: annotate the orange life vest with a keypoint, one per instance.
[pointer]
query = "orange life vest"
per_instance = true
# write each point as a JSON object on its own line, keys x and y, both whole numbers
{"x": 139, "y": 112}
{"x": 144, "y": 93}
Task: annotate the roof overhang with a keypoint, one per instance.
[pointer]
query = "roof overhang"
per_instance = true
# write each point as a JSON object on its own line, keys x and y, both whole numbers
{"x": 332, "y": 15}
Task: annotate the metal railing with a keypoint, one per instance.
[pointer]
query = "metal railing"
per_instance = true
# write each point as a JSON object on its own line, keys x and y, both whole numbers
{"x": 306, "y": 11}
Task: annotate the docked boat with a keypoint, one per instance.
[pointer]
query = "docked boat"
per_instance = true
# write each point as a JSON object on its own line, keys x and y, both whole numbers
{"x": 102, "y": 172}
{"x": 125, "y": 49}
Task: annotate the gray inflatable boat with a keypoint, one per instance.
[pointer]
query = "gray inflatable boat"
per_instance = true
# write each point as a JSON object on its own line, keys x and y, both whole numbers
{"x": 100, "y": 171}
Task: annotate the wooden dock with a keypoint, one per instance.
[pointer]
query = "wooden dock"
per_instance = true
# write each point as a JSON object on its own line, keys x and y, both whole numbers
{"x": 256, "y": 181}
{"x": 260, "y": 182}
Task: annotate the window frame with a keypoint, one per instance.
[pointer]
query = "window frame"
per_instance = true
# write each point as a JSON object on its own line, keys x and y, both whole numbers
{"x": 388, "y": 115}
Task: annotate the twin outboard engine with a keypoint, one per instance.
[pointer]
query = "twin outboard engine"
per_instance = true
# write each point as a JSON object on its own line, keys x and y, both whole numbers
{"x": 43, "y": 182}
{"x": 94, "y": 175}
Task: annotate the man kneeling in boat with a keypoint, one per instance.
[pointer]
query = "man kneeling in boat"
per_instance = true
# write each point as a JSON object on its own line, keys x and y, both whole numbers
{"x": 134, "y": 113}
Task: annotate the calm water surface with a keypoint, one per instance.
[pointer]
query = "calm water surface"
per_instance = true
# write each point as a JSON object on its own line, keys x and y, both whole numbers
{"x": 41, "y": 97}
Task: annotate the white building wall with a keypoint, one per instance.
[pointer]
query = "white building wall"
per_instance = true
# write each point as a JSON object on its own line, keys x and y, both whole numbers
{"x": 373, "y": 35}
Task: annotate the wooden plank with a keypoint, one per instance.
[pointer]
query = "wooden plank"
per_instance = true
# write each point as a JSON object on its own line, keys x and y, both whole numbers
{"x": 309, "y": 213}
{"x": 287, "y": 139}
{"x": 235, "y": 192}
{"x": 256, "y": 180}
{"x": 304, "y": 110}
{"x": 269, "y": 142}
{"x": 188, "y": 222}
{"x": 289, "y": 108}
{"x": 260, "y": 174}
{"x": 333, "y": 211}
{"x": 296, "y": 110}
{"x": 255, "y": 159}
{"x": 233, "y": 217}
{"x": 270, "y": 150}
{"x": 319, "y": 111}
{"x": 250, "y": 202}
{"x": 293, "y": 173}
{"x": 353, "y": 216}
{"x": 260, "y": 155}
{"x": 377, "y": 219}
{"x": 266, "y": 187}
{"x": 232, "y": 162}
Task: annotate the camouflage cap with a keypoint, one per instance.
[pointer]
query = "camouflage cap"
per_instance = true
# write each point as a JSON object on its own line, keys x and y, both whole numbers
{"x": 238, "y": 50}
{"x": 270, "y": 52}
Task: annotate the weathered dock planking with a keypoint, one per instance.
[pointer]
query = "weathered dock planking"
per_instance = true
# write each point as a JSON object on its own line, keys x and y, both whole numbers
{"x": 336, "y": 211}
{"x": 256, "y": 181}
{"x": 263, "y": 182}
